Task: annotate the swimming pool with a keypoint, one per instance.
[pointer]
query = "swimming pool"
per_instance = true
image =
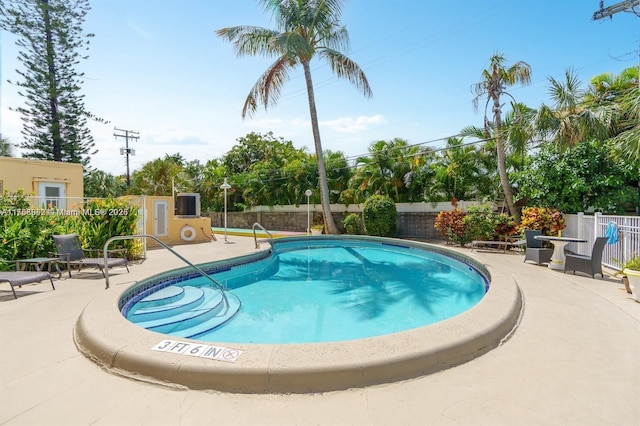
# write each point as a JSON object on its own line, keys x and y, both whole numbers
{"x": 314, "y": 290}
{"x": 120, "y": 347}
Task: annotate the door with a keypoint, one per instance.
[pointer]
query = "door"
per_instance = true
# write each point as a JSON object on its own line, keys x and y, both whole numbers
{"x": 52, "y": 195}
{"x": 160, "y": 218}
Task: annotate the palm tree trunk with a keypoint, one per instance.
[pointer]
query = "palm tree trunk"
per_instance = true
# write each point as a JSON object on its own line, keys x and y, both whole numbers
{"x": 502, "y": 170}
{"x": 329, "y": 223}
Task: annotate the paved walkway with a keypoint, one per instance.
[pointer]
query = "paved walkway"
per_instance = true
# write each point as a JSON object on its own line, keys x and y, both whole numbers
{"x": 574, "y": 360}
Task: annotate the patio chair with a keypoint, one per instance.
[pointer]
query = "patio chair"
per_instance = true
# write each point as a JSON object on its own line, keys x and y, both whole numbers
{"x": 590, "y": 265}
{"x": 534, "y": 250}
{"x": 19, "y": 278}
{"x": 70, "y": 251}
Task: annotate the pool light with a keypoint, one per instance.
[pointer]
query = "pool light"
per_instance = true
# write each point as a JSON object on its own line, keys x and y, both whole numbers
{"x": 225, "y": 186}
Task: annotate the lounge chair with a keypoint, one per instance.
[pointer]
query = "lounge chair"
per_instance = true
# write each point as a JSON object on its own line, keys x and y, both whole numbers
{"x": 591, "y": 265}
{"x": 534, "y": 250}
{"x": 19, "y": 278}
{"x": 71, "y": 253}
{"x": 498, "y": 244}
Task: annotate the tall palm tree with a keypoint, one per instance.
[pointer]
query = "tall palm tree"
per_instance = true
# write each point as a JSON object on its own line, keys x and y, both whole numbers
{"x": 305, "y": 29}
{"x": 570, "y": 120}
{"x": 495, "y": 80}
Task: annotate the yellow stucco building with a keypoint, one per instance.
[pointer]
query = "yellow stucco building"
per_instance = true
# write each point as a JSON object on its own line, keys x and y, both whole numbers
{"x": 158, "y": 218}
{"x": 52, "y": 182}
{"x": 61, "y": 186}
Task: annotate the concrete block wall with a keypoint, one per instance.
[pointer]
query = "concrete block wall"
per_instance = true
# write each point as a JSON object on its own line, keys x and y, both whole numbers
{"x": 411, "y": 225}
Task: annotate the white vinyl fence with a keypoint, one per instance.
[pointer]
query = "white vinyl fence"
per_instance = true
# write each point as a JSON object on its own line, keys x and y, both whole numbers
{"x": 589, "y": 227}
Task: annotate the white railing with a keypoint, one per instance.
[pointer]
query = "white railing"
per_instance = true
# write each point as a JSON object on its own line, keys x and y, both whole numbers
{"x": 589, "y": 227}
{"x": 255, "y": 237}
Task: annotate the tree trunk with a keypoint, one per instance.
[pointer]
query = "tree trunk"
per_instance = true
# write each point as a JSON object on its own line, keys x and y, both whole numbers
{"x": 329, "y": 223}
{"x": 53, "y": 90}
{"x": 502, "y": 169}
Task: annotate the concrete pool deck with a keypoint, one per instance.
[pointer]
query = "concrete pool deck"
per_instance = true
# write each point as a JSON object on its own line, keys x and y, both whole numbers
{"x": 574, "y": 359}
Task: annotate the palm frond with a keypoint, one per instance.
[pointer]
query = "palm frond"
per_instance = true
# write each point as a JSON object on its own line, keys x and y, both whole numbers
{"x": 267, "y": 89}
{"x": 250, "y": 40}
{"x": 344, "y": 67}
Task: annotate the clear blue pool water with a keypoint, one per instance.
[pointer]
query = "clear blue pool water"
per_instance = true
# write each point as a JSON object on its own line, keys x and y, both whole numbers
{"x": 333, "y": 290}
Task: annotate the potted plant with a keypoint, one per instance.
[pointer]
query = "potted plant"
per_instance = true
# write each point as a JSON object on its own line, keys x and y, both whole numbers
{"x": 631, "y": 271}
{"x": 558, "y": 223}
{"x": 316, "y": 229}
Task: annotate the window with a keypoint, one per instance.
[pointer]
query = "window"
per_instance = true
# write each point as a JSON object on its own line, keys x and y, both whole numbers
{"x": 51, "y": 195}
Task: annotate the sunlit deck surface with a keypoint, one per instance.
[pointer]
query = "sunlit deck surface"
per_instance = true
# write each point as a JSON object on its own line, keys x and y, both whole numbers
{"x": 242, "y": 232}
{"x": 573, "y": 359}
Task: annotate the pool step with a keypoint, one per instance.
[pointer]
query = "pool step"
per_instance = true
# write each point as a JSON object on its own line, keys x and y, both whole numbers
{"x": 200, "y": 309}
{"x": 189, "y": 298}
{"x": 218, "y": 320}
{"x": 162, "y": 297}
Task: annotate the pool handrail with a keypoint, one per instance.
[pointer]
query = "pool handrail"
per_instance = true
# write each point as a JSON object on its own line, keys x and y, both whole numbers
{"x": 255, "y": 237}
{"x": 130, "y": 237}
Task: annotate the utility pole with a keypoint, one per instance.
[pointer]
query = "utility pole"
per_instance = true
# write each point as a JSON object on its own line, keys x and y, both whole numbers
{"x": 622, "y": 6}
{"x": 126, "y": 151}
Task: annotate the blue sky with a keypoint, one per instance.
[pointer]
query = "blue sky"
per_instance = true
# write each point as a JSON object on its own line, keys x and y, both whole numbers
{"x": 157, "y": 67}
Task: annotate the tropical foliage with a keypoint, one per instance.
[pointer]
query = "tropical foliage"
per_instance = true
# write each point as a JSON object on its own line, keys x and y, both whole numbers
{"x": 161, "y": 177}
{"x": 600, "y": 173}
{"x": 99, "y": 184}
{"x": 549, "y": 221}
{"x": 105, "y": 218}
{"x": 26, "y": 231}
{"x": 450, "y": 223}
{"x": 585, "y": 176}
{"x": 352, "y": 224}
{"x": 479, "y": 223}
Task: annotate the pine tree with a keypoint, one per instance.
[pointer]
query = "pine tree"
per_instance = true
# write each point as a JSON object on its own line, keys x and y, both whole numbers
{"x": 49, "y": 34}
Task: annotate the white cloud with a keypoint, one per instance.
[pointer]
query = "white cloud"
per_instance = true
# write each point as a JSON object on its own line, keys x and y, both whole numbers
{"x": 354, "y": 125}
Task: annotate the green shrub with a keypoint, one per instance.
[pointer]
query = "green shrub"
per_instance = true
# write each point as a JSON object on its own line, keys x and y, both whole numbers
{"x": 352, "y": 225}
{"x": 505, "y": 226}
{"x": 26, "y": 231}
{"x": 479, "y": 223}
{"x": 106, "y": 218}
{"x": 379, "y": 216}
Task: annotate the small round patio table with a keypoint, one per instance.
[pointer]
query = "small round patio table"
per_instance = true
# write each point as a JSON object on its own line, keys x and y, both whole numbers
{"x": 558, "y": 257}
